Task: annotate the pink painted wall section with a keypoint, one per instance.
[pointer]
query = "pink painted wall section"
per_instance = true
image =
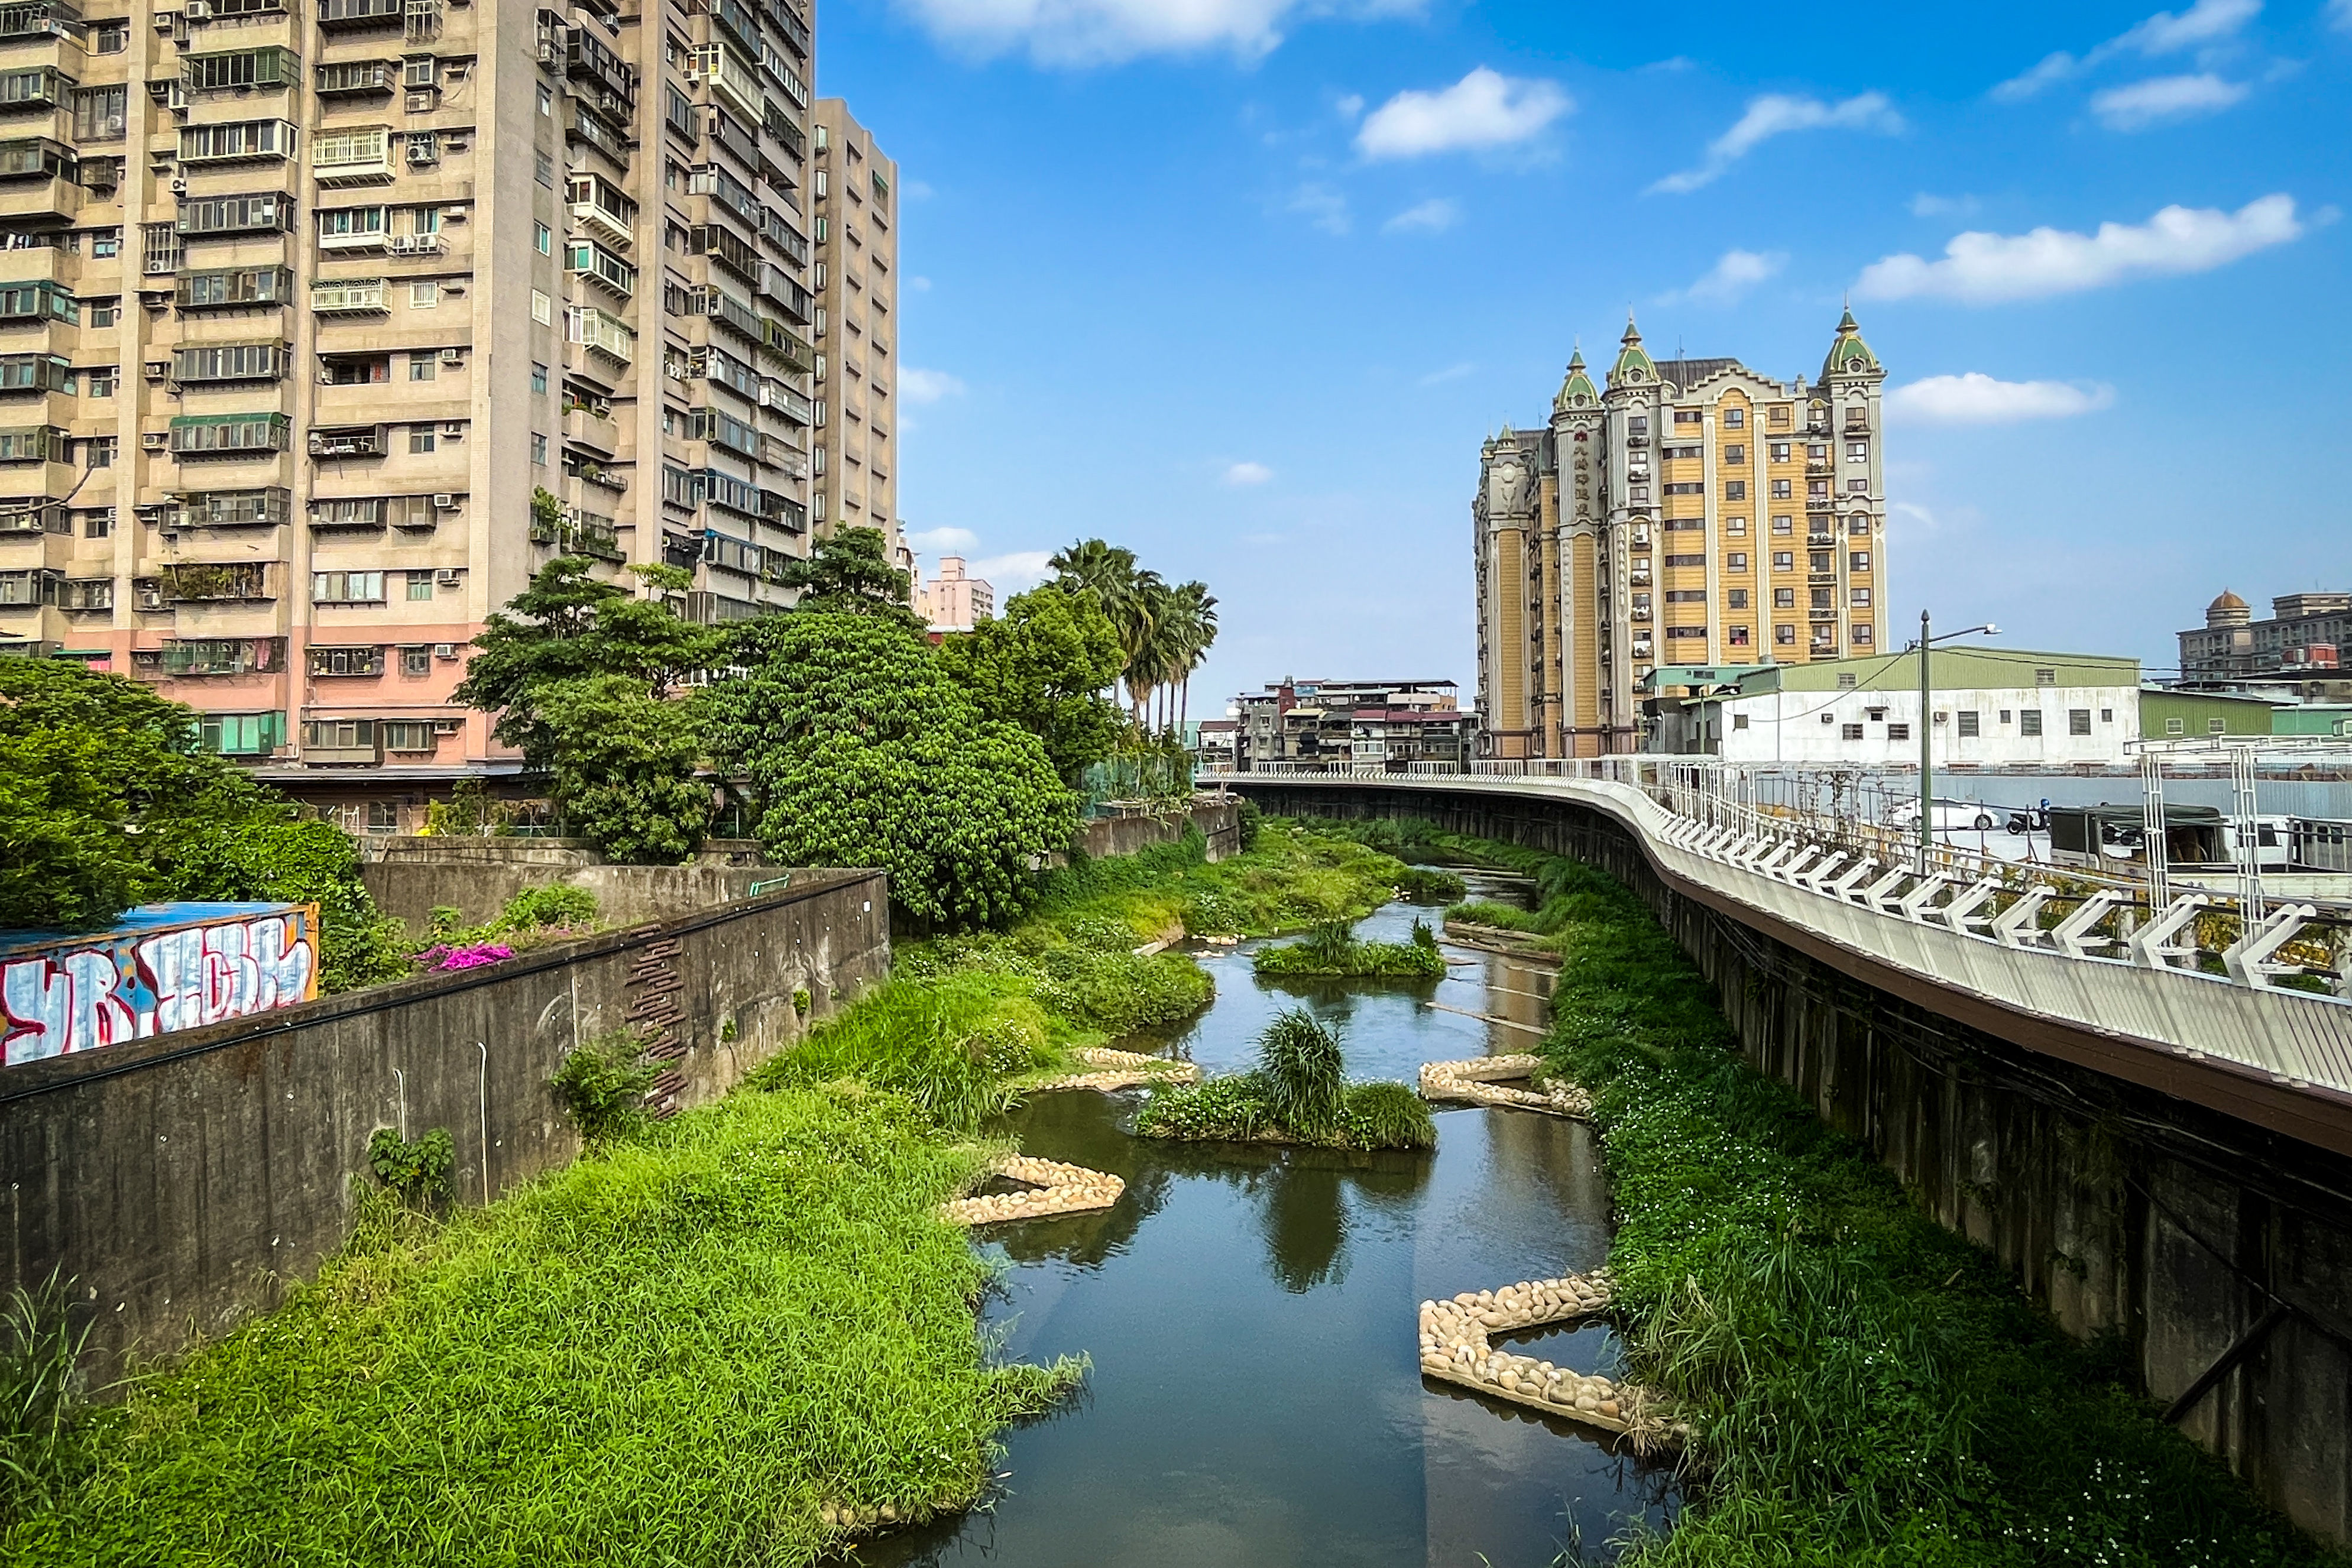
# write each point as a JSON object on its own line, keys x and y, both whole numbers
{"x": 162, "y": 967}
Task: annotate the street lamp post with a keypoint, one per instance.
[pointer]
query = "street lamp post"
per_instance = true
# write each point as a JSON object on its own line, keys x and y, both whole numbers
{"x": 1927, "y": 733}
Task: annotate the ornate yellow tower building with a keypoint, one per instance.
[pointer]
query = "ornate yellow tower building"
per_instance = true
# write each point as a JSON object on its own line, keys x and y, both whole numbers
{"x": 1688, "y": 514}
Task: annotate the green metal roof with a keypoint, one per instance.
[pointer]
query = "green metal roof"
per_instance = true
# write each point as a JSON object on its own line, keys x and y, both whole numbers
{"x": 1956, "y": 667}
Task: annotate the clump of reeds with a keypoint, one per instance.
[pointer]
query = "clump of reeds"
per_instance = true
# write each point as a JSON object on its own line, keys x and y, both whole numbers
{"x": 45, "y": 1408}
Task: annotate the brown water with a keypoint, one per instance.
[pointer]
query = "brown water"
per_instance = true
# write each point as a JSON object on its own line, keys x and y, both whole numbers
{"x": 1255, "y": 1400}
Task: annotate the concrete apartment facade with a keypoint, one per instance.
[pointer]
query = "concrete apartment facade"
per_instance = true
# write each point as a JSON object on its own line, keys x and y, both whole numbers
{"x": 1315, "y": 721}
{"x": 1690, "y": 512}
{"x": 303, "y": 301}
{"x": 855, "y": 455}
{"x": 1992, "y": 708}
{"x": 953, "y": 602}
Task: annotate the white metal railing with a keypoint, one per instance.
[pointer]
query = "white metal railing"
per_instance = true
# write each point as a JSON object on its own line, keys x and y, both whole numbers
{"x": 1708, "y": 809}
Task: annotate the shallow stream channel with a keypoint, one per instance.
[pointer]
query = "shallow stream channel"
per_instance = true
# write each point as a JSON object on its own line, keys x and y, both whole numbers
{"x": 1256, "y": 1398}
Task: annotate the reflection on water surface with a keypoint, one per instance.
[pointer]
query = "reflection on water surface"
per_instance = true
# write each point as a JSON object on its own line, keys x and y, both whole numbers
{"x": 1256, "y": 1398}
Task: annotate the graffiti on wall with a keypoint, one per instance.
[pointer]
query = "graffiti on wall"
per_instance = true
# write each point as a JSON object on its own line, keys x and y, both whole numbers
{"x": 129, "y": 985}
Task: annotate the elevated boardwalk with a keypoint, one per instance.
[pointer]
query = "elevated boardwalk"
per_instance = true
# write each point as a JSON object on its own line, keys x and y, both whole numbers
{"x": 1970, "y": 948}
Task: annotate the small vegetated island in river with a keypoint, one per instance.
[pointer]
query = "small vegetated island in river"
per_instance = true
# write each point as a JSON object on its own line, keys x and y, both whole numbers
{"x": 1299, "y": 1093}
{"x": 1330, "y": 950}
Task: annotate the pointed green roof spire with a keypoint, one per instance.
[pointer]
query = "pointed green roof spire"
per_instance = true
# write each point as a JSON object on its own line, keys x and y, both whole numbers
{"x": 1632, "y": 357}
{"x": 1577, "y": 391}
{"x": 1849, "y": 355}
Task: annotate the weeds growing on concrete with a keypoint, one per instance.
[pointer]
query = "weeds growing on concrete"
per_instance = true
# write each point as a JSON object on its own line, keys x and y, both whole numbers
{"x": 602, "y": 1081}
{"x": 1865, "y": 1387}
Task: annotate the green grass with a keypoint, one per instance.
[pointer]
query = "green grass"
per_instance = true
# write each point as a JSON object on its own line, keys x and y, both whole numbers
{"x": 1298, "y": 1093}
{"x": 677, "y": 1352}
{"x": 1865, "y": 1387}
{"x": 1328, "y": 950}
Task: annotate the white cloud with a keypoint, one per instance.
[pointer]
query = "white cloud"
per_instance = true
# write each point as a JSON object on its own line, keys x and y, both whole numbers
{"x": 1734, "y": 273}
{"x": 2339, "y": 15}
{"x": 1980, "y": 268}
{"x": 1925, "y": 204}
{"x": 1009, "y": 574}
{"x": 942, "y": 541}
{"x": 1325, "y": 207}
{"x": 1484, "y": 109}
{"x": 917, "y": 190}
{"x": 1353, "y": 104}
{"x": 1451, "y": 373}
{"x": 1777, "y": 114}
{"x": 1248, "y": 474}
{"x": 2163, "y": 98}
{"x": 2204, "y": 25}
{"x": 1435, "y": 216}
{"x": 927, "y": 385}
{"x": 1105, "y": 32}
{"x": 1977, "y": 399}
{"x": 918, "y": 284}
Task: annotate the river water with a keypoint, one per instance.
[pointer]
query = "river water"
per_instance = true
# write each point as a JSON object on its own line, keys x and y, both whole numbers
{"x": 1255, "y": 1400}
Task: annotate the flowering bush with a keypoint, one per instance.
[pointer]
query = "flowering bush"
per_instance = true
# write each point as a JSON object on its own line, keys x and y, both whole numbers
{"x": 472, "y": 955}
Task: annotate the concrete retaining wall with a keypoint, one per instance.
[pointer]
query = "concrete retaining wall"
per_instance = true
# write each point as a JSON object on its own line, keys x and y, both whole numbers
{"x": 181, "y": 1180}
{"x": 1218, "y": 818}
{"x": 2124, "y": 1211}
{"x": 410, "y": 877}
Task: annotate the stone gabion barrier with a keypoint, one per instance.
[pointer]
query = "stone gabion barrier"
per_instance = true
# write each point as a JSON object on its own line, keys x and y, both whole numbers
{"x": 1120, "y": 1069}
{"x": 1050, "y": 1187}
{"x": 1480, "y": 1081}
{"x": 1455, "y": 1347}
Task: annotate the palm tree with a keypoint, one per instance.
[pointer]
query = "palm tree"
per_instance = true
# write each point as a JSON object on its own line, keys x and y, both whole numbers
{"x": 1196, "y": 608}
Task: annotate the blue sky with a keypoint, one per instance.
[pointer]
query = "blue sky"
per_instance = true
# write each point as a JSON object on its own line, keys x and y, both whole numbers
{"x": 1242, "y": 284}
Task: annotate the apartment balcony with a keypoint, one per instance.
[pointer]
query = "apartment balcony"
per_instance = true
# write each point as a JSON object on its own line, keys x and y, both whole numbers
{"x": 782, "y": 399}
{"x": 238, "y": 142}
{"x": 608, "y": 218}
{"x": 589, "y": 432}
{"x": 600, "y": 333}
{"x": 191, "y": 581}
{"x": 585, "y": 125}
{"x": 360, "y": 297}
{"x": 42, "y": 87}
{"x": 358, "y": 78}
{"x": 349, "y": 441}
{"x": 349, "y": 159}
{"x": 732, "y": 78}
{"x": 48, "y": 201}
{"x": 1817, "y": 466}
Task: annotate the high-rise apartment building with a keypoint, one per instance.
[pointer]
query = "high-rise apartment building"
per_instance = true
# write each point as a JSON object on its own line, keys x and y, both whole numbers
{"x": 856, "y": 191}
{"x": 952, "y": 601}
{"x": 324, "y": 323}
{"x": 1688, "y": 513}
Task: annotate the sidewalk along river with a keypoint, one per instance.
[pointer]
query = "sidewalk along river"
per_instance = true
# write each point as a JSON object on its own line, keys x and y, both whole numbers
{"x": 1256, "y": 1398}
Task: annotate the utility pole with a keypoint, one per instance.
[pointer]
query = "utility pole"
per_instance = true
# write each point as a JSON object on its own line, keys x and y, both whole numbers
{"x": 1927, "y": 750}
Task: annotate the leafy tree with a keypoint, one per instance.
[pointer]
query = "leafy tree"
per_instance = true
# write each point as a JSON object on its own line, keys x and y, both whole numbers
{"x": 860, "y": 751}
{"x": 1164, "y": 628}
{"x": 101, "y": 784}
{"x": 106, "y": 802}
{"x": 849, "y": 573}
{"x": 581, "y": 675}
{"x": 1043, "y": 665}
{"x": 624, "y": 763}
{"x": 568, "y": 625}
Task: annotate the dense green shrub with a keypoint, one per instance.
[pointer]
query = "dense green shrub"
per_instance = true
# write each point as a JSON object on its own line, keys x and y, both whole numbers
{"x": 1296, "y": 1094}
{"x": 1324, "y": 954}
{"x": 1381, "y": 1115}
{"x": 1249, "y": 820}
{"x": 415, "y": 1172}
{"x": 861, "y": 752}
{"x": 550, "y": 904}
{"x": 1302, "y": 1071}
{"x": 602, "y": 1081}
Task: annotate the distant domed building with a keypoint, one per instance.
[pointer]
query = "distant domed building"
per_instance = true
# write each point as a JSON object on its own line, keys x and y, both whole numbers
{"x": 2300, "y": 645}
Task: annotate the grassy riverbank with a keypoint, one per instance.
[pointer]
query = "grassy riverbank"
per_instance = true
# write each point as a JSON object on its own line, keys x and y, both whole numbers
{"x": 1867, "y": 1388}
{"x": 697, "y": 1342}
{"x": 679, "y": 1349}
